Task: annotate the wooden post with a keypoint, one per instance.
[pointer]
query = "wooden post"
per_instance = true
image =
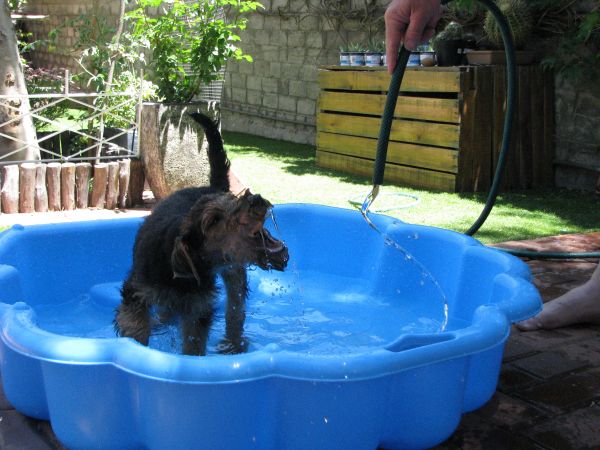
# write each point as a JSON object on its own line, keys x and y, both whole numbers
{"x": 53, "y": 182}
{"x": 41, "y": 194}
{"x": 83, "y": 172}
{"x": 99, "y": 185}
{"x": 124, "y": 167}
{"x": 136, "y": 183}
{"x": 10, "y": 189}
{"x": 67, "y": 186}
{"x": 27, "y": 188}
{"x": 112, "y": 189}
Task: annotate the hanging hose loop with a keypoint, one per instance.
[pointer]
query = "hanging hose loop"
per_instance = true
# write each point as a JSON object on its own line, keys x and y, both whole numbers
{"x": 511, "y": 95}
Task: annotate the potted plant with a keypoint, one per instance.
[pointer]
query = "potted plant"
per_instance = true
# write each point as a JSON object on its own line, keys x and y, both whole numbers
{"x": 189, "y": 42}
{"x": 374, "y": 53}
{"x": 520, "y": 17}
{"x": 449, "y": 45}
{"x": 357, "y": 53}
{"x": 426, "y": 55}
{"x": 344, "y": 56}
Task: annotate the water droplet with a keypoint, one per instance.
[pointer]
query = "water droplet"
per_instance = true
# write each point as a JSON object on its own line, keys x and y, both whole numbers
{"x": 325, "y": 419}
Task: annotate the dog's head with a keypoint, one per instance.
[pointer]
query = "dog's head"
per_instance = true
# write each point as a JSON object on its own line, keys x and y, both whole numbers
{"x": 223, "y": 229}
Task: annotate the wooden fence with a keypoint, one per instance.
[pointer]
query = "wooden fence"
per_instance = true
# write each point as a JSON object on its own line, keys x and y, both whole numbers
{"x": 39, "y": 187}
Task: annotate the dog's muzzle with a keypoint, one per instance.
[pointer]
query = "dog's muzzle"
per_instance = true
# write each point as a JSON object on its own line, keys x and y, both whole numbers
{"x": 275, "y": 255}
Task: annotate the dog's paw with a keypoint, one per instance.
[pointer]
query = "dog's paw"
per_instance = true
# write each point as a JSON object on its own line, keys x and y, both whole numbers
{"x": 230, "y": 347}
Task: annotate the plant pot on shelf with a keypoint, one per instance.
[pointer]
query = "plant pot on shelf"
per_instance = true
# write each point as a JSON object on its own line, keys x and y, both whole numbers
{"x": 373, "y": 59}
{"x": 450, "y": 52}
{"x": 344, "y": 58}
{"x": 357, "y": 58}
{"x": 498, "y": 57}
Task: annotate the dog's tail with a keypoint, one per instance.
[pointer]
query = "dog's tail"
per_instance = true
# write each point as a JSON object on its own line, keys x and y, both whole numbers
{"x": 217, "y": 157}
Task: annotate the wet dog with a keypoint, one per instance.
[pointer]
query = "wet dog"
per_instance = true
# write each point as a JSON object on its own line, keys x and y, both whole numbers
{"x": 192, "y": 236}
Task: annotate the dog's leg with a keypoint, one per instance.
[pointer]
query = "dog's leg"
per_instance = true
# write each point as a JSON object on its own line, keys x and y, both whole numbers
{"x": 133, "y": 317}
{"x": 236, "y": 284}
{"x": 196, "y": 320}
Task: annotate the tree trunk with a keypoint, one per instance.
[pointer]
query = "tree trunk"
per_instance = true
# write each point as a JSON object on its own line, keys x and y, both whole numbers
{"x": 14, "y": 118}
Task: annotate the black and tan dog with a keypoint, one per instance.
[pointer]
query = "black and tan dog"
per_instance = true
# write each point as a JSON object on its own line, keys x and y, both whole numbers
{"x": 192, "y": 236}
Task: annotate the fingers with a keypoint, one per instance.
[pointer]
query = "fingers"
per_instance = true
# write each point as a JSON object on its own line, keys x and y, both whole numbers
{"x": 393, "y": 37}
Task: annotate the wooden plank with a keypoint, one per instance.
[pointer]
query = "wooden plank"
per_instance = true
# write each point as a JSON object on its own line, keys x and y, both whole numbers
{"x": 432, "y": 109}
{"x": 548, "y": 156}
{"x": 410, "y": 176}
{"x": 99, "y": 185}
{"x": 523, "y": 129}
{"x": 27, "y": 188}
{"x": 474, "y": 158}
{"x": 136, "y": 183}
{"x": 53, "y": 183}
{"x": 413, "y": 81}
{"x": 124, "y": 170}
{"x": 67, "y": 186}
{"x": 10, "y": 189}
{"x": 83, "y": 171}
{"x": 433, "y": 158}
{"x": 112, "y": 185}
{"x": 41, "y": 193}
{"x": 438, "y": 134}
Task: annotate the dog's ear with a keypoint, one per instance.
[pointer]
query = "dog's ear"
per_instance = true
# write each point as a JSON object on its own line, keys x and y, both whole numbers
{"x": 181, "y": 262}
{"x": 211, "y": 216}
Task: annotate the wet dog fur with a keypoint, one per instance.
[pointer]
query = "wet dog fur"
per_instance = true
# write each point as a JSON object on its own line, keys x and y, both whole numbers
{"x": 190, "y": 237}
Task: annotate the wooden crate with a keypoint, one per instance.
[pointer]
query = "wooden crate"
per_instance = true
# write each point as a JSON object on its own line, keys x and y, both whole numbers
{"x": 447, "y": 126}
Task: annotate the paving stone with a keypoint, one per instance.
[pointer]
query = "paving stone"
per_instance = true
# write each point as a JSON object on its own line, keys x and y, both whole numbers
{"x": 18, "y": 432}
{"x": 549, "y": 364}
{"x": 516, "y": 347}
{"x": 565, "y": 394}
{"x": 577, "y": 430}
{"x": 513, "y": 379}
{"x": 476, "y": 434}
{"x": 506, "y": 411}
{"x": 4, "y": 403}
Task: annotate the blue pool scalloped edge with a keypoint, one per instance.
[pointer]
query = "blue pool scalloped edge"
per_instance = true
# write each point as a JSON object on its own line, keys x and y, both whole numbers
{"x": 115, "y": 393}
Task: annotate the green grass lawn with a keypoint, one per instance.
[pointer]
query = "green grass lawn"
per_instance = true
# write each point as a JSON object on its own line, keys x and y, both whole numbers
{"x": 287, "y": 173}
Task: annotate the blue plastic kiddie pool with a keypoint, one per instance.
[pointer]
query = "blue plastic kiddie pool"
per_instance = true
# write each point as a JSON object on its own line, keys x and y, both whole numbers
{"x": 365, "y": 340}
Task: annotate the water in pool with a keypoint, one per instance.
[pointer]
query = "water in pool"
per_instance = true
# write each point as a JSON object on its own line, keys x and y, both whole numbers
{"x": 299, "y": 310}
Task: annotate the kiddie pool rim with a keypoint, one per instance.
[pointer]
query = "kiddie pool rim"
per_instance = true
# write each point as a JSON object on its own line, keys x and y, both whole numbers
{"x": 489, "y": 328}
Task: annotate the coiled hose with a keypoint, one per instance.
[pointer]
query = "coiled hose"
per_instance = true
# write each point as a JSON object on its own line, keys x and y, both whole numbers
{"x": 511, "y": 76}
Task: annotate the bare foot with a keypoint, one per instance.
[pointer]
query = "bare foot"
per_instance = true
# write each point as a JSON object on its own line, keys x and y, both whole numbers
{"x": 579, "y": 305}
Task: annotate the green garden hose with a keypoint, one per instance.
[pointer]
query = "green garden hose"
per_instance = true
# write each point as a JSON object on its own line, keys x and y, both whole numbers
{"x": 511, "y": 73}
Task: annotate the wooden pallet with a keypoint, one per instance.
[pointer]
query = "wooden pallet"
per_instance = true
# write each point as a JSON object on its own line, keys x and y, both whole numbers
{"x": 447, "y": 126}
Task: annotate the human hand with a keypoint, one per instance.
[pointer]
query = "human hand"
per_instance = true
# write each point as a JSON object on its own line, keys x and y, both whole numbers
{"x": 411, "y": 22}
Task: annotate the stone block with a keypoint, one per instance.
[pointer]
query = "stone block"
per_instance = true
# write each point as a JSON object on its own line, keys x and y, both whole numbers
{"x": 297, "y": 39}
{"x": 271, "y": 101}
{"x": 238, "y": 94}
{"x": 275, "y": 69}
{"x": 283, "y": 87}
{"x": 307, "y": 107}
{"x": 246, "y": 68}
{"x": 254, "y": 82}
{"x": 255, "y": 21}
{"x": 254, "y": 97}
{"x": 298, "y": 88}
{"x": 239, "y": 80}
{"x": 270, "y": 52}
{"x": 287, "y": 104}
{"x": 308, "y": 73}
{"x": 269, "y": 85}
{"x": 290, "y": 71}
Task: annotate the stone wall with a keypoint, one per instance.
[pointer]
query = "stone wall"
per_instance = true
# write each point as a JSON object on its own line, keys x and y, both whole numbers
{"x": 276, "y": 95}
{"x": 58, "y": 13}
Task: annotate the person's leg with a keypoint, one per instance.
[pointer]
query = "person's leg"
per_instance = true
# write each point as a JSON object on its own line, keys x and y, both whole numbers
{"x": 579, "y": 305}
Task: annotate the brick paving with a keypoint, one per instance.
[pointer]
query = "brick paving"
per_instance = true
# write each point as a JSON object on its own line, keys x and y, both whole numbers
{"x": 548, "y": 395}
